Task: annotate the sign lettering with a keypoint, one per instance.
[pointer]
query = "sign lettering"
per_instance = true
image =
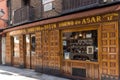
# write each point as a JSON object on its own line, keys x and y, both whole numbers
{"x": 81, "y": 21}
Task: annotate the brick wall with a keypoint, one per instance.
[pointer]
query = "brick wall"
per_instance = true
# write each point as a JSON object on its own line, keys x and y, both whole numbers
{"x": 38, "y": 8}
{"x": 36, "y": 4}
{"x": 57, "y": 5}
{"x": 16, "y": 4}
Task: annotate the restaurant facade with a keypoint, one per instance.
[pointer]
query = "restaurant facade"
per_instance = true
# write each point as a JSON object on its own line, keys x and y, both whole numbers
{"x": 79, "y": 45}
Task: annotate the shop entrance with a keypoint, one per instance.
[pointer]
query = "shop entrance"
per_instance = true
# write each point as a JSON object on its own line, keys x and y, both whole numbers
{"x": 30, "y": 50}
{"x": 16, "y": 50}
{"x": 48, "y": 52}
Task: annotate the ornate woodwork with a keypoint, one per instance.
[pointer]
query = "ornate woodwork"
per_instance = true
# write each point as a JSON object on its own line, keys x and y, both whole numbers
{"x": 8, "y": 56}
{"x": 109, "y": 51}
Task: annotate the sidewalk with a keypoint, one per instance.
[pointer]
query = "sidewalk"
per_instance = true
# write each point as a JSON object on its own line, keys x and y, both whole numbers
{"x": 12, "y": 73}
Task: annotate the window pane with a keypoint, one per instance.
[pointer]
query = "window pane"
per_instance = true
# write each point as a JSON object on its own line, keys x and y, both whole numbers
{"x": 16, "y": 46}
{"x": 80, "y": 45}
{"x": 27, "y": 44}
{"x": 33, "y": 43}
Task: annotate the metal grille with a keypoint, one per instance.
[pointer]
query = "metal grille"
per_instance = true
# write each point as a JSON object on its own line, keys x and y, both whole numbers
{"x": 79, "y": 72}
{"x": 72, "y": 4}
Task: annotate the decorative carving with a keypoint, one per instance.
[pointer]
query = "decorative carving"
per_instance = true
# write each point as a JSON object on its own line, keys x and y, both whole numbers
{"x": 104, "y": 42}
{"x": 104, "y": 35}
{"x": 112, "y": 49}
{"x": 112, "y": 64}
{"x": 105, "y": 49}
{"x": 104, "y": 56}
{"x": 109, "y": 46}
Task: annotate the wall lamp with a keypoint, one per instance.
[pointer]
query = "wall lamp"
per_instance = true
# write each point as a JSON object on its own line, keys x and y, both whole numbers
{"x": 2, "y": 13}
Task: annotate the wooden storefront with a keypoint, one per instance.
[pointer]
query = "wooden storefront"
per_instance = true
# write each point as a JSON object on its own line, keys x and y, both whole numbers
{"x": 45, "y": 48}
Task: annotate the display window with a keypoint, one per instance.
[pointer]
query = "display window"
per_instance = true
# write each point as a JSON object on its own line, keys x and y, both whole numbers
{"x": 80, "y": 45}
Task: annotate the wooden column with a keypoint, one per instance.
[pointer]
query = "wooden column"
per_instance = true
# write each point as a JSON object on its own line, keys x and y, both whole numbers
{"x": 22, "y": 51}
{"x": 54, "y": 40}
{"x": 109, "y": 51}
{"x": 8, "y": 55}
{"x": 39, "y": 54}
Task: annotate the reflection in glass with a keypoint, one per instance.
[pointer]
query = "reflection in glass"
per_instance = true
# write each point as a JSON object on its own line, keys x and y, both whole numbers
{"x": 28, "y": 44}
{"x": 16, "y": 46}
{"x": 33, "y": 43}
{"x": 81, "y": 45}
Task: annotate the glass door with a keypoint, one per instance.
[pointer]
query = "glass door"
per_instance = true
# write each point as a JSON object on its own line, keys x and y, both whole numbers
{"x": 28, "y": 62}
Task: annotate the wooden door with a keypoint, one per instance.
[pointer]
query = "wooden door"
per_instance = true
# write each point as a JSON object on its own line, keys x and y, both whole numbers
{"x": 12, "y": 50}
{"x": 54, "y": 51}
{"x": 30, "y": 51}
{"x": 27, "y": 55}
{"x": 51, "y": 52}
{"x": 45, "y": 50}
{"x": 16, "y": 51}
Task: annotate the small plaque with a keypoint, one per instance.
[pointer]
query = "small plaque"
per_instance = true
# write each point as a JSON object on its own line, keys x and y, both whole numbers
{"x": 90, "y": 49}
{"x": 67, "y": 55}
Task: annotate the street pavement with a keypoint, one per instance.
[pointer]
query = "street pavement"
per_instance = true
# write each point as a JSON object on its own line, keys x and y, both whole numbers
{"x": 12, "y": 73}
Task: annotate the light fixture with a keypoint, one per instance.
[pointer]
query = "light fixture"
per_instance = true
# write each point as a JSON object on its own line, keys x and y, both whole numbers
{"x": 105, "y": 1}
{"x": 2, "y": 13}
{"x": 80, "y": 34}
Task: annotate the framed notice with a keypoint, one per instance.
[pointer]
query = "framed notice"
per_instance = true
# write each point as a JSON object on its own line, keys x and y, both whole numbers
{"x": 89, "y": 35}
{"x": 67, "y": 55}
{"x": 46, "y": 1}
{"x": 64, "y": 43}
{"x": 90, "y": 49}
{"x": 48, "y": 7}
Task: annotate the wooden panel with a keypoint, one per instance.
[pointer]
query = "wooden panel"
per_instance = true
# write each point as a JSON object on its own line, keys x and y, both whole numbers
{"x": 109, "y": 50}
{"x": 54, "y": 49}
{"x": 39, "y": 53}
{"x": 49, "y": 57}
{"x": 33, "y": 61}
{"x": 27, "y": 51}
{"x": 45, "y": 49}
{"x": 92, "y": 71}
{"x": 33, "y": 54}
{"x": 27, "y": 61}
{"x": 16, "y": 58}
{"x": 8, "y": 57}
{"x": 22, "y": 51}
{"x": 92, "y": 68}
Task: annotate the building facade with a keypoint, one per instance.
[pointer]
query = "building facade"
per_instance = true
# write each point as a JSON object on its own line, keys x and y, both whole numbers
{"x": 78, "y": 39}
{"x": 3, "y": 25}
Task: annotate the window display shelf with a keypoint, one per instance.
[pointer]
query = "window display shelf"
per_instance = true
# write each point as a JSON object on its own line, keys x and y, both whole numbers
{"x": 80, "y": 45}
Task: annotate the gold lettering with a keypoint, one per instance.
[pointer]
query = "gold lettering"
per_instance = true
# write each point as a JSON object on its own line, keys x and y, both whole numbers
{"x": 98, "y": 19}
{"x": 68, "y": 23}
{"x": 72, "y": 23}
{"x": 84, "y": 21}
{"x": 77, "y": 22}
{"x": 31, "y": 30}
{"x": 54, "y": 25}
{"x": 88, "y": 20}
{"x": 93, "y": 19}
{"x": 110, "y": 18}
